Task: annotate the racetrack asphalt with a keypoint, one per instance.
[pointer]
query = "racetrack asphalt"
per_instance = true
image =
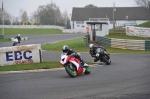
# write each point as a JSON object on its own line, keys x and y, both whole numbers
{"x": 128, "y": 77}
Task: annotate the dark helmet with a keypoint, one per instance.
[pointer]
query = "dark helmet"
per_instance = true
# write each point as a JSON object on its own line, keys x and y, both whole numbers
{"x": 65, "y": 48}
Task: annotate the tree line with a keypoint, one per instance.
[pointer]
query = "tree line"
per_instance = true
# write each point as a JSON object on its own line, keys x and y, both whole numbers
{"x": 49, "y": 14}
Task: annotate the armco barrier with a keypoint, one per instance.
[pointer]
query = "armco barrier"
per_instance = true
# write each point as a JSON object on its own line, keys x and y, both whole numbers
{"x": 104, "y": 41}
{"x": 23, "y": 54}
{"x": 124, "y": 43}
{"x": 147, "y": 44}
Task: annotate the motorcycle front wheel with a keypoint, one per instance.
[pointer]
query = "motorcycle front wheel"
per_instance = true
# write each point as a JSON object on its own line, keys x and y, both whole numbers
{"x": 71, "y": 70}
{"x": 14, "y": 44}
{"x": 87, "y": 70}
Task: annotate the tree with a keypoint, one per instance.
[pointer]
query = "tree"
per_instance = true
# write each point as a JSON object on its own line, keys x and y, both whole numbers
{"x": 90, "y": 6}
{"x": 49, "y": 15}
{"x": 65, "y": 18}
{"x": 6, "y": 16}
{"x": 16, "y": 21}
{"x": 143, "y": 3}
{"x": 23, "y": 16}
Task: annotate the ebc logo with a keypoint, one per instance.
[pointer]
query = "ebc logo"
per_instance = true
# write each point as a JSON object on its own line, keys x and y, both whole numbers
{"x": 18, "y": 55}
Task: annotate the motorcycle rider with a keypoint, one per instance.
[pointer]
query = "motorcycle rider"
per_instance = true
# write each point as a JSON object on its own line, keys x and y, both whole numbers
{"x": 93, "y": 53}
{"x": 18, "y": 37}
{"x": 66, "y": 49}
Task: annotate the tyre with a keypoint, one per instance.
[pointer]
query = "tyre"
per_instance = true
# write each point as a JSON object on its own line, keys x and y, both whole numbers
{"x": 106, "y": 60}
{"x": 87, "y": 70}
{"x": 71, "y": 70}
{"x": 14, "y": 44}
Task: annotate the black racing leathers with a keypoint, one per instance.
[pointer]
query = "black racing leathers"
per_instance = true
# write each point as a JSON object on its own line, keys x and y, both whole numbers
{"x": 92, "y": 52}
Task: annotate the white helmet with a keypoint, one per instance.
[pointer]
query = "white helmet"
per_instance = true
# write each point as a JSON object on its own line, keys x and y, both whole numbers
{"x": 65, "y": 48}
{"x": 91, "y": 45}
{"x": 18, "y": 34}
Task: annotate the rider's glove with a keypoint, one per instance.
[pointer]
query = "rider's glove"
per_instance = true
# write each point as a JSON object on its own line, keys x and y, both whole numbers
{"x": 73, "y": 54}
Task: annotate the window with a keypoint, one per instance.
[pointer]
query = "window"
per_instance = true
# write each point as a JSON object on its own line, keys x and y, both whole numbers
{"x": 79, "y": 22}
{"x": 99, "y": 27}
{"x": 103, "y": 20}
{"x": 94, "y": 20}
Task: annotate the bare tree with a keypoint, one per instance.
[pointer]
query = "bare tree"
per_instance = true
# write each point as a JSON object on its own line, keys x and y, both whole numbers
{"x": 65, "y": 18}
{"x": 7, "y": 17}
{"x": 143, "y": 3}
{"x": 35, "y": 18}
{"x": 49, "y": 14}
{"x": 23, "y": 16}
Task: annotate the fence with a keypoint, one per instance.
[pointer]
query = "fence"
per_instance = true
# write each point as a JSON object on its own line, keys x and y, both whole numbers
{"x": 32, "y": 26}
{"x": 124, "y": 43}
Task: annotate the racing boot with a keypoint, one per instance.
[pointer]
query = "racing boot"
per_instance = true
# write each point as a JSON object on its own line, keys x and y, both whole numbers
{"x": 96, "y": 59}
{"x": 83, "y": 63}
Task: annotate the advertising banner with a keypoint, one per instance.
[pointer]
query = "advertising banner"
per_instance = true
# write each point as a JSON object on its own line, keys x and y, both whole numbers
{"x": 138, "y": 31}
{"x": 23, "y": 54}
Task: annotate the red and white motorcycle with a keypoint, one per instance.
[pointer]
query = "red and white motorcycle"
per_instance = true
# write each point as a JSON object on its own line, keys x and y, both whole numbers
{"x": 73, "y": 65}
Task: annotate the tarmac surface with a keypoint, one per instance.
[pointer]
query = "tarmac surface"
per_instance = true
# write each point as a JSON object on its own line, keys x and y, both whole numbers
{"x": 128, "y": 77}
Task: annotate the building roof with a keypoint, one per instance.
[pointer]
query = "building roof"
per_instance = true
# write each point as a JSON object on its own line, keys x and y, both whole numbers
{"x": 133, "y": 13}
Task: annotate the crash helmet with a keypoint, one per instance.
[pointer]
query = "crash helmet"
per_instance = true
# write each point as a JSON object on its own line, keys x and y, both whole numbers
{"x": 18, "y": 34}
{"x": 65, "y": 48}
{"x": 91, "y": 45}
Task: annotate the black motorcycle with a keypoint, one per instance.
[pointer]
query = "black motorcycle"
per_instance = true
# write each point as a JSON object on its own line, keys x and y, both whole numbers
{"x": 103, "y": 56}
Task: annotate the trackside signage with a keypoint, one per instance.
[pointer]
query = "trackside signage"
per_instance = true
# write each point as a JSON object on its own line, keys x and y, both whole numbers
{"x": 138, "y": 31}
{"x": 24, "y": 54}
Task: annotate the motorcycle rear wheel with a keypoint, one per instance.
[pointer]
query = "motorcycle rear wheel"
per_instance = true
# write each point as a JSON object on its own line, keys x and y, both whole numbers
{"x": 14, "y": 44}
{"x": 106, "y": 60}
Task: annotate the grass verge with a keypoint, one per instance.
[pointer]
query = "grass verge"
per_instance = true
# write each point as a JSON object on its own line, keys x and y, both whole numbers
{"x": 78, "y": 45}
{"x": 11, "y": 31}
{"x": 122, "y": 35}
{"x": 146, "y": 25}
{"x": 33, "y": 66}
{"x": 5, "y": 40}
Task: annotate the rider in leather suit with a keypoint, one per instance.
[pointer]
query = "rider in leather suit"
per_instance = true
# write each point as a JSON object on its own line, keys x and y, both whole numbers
{"x": 18, "y": 37}
{"x": 66, "y": 49}
{"x": 92, "y": 51}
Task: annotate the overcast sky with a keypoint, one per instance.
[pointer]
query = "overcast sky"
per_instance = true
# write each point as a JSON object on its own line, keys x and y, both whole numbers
{"x": 13, "y": 6}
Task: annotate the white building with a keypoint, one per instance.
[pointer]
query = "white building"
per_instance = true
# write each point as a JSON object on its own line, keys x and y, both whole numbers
{"x": 120, "y": 16}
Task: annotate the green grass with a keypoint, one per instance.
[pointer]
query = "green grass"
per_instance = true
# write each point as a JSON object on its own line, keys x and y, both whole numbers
{"x": 44, "y": 65}
{"x": 78, "y": 45}
{"x": 146, "y": 24}
{"x": 5, "y": 40}
{"x": 33, "y": 66}
{"x": 125, "y": 51}
{"x": 11, "y": 31}
{"x": 122, "y": 35}
{"x": 75, "y": 44}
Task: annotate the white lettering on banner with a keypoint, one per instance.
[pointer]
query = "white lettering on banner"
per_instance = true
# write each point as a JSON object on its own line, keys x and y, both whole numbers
{"x": 24, "y": 54}
{"x": 138, "y": 31}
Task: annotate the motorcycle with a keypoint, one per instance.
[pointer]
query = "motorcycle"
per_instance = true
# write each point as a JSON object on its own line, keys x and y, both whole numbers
{"x": 15, "y": 42}
{"x": 103, "y": 56}
{"x": 73, "y": 65}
